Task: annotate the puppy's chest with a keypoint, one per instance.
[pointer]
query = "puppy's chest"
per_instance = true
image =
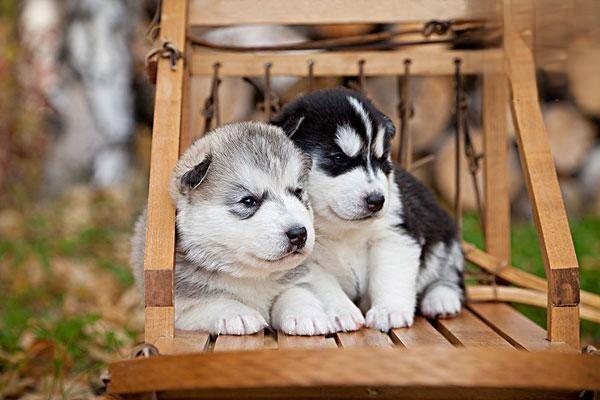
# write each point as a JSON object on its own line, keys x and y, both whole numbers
{"x": 348, "y": 260}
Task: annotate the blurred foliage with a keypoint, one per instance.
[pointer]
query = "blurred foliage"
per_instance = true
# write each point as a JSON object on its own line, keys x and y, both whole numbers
{"x": 67, "y": 301}
{"x": 22, "y": 134}
{"x": 526, "y": 255}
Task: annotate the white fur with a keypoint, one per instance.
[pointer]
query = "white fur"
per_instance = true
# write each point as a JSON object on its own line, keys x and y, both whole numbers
{"x": 342, "y": 198}
{"x": 441, "y": 300}
{"x": 299, "y": 312}
{"x": 379, "y": 142}
{"x": 364, "y": 116}
{"x": 348, "y": 140}
{"x": 369, "y": 260}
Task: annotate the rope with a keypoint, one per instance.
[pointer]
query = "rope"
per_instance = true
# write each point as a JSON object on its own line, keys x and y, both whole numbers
{"x": 311, "y": 76}
{"x": 268, "y": 97}
{"x": 362, "y": 79}
{"x": 474, "y": 160}
{"x": 456, "y": 28}
{"x": 211, "y": 104}
{"x": 422, "y": 162}
{"x": 458, "y": 137}
{"x": 166, "y": 50}
{"x": 404, "y": 110}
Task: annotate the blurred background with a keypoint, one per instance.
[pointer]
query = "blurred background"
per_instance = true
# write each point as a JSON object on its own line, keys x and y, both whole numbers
{"x": 75, "y": 128}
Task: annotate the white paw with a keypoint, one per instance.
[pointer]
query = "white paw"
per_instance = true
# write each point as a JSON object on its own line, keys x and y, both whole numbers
{"x": 386, "y": 317}
{"x": 441, "y": 302}
{"x": 307, "y": 323}
{"x": 244, "y": 322}
{"x": 346, "y": 319}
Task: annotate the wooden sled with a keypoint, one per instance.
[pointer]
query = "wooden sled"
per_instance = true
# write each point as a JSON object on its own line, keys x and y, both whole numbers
{"x": 489, "y": 351}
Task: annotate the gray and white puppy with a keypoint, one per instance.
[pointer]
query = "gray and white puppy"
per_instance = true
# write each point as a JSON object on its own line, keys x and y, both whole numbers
{"x": 244, "y": 226}
{"x": 380, "y": 232}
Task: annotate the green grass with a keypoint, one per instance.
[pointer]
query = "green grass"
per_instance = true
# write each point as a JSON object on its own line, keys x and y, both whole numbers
{"x": 526, "y": 255}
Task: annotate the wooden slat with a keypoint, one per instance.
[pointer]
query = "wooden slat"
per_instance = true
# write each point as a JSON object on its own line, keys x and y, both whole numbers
{"x": 226, "y": 12}
{"x": 158, "y": 287}
{"x": 343, "y": 63}
{"x": 244, "y": 342}
{"x": 421, "y": 334}
{"x": 160, "y": 227}
{"x": 513, "y": 326}
{"x": 186, "y": 117}
{"x": 304, "y": 342}
{"x": 469, "y": 331}
{"x": 542, "y": 183}
{"x": 517, "y": 276}
{"x": 156, "y": 325}
{"x": 320, "y": 369}
{"x": 495, "y": 162}
{"x": 363, "y": 338}
{"x": 184, "y": 342}
{"x": 523, "y": 296}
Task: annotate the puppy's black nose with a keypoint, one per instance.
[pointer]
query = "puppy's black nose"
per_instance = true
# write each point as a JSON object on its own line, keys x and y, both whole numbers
{"x": 297, "y": 236}
{"x": 375, "y": 202}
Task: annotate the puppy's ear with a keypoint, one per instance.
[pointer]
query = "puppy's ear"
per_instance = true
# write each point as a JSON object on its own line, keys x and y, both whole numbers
{"x": 390, "y": 128}
{"x": 289, "y": 122}
{"x": 194, "y": 177}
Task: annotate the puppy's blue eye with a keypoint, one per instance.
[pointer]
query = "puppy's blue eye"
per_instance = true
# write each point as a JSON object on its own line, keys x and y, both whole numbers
{"x": 337, "y": 157}
{"x": 249, "y": 201}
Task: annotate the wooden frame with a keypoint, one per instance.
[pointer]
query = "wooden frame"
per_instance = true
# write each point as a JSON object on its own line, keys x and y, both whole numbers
{"x": 508, "y": 73}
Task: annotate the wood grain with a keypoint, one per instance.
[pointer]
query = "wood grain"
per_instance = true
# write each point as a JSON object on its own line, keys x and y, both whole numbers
{"x": 523, "y": 296}
{"x": 495, "y": 166}
{"x": 185, "y": 139}
{"x": 158, "y": 287}
{"x": 542, "y": 183}
{"x": 421, "y": 334}
{"x": 513, "y": 326}
{"x": 304, "y": 342}
{"x": 343, "y": 63}
{"x": 363, "y": 338}
{"x": 156, "y": 323}
{"x": 231, "y": 12}
{"x": 517, "y": 276}
{"x": 320, "y": 369}
{"x": 184, "y": 342}
{"x": 469, "y": 331}
{"x": 160, "y": 227}
{"x": 244, "y": 342}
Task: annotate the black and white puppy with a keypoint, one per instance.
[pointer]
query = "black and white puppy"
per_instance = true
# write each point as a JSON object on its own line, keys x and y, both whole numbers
{"x": 379, "y": 231}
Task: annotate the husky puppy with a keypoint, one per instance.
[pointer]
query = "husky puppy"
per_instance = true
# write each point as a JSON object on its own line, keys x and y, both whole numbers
{"x": 380, "y": 232}
{"x": 244, "y": 226}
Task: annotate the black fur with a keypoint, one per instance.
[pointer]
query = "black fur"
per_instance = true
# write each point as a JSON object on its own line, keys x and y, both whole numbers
{"x": 192, "y": 178}
{"x": 422, "y": 217}
{"x": 312, "y": 121}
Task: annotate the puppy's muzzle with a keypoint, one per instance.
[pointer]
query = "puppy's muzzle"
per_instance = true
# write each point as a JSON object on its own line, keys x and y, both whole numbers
{"x": 374, "y": 202}
{"x": 297, "y": 237}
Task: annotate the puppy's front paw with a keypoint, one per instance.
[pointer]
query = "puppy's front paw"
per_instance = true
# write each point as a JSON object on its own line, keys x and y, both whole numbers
{"x": 306, "y": 323}
{"x": 346, "y": 318}
{"x": 240, "y": 322}
{"x": 441, "y": 302}
{"x": 385, "y": 317}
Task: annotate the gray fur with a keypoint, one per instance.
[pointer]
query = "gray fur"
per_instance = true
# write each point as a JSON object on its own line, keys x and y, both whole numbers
{"x": 230, "y": 256}
{"x": 293, "y": 275}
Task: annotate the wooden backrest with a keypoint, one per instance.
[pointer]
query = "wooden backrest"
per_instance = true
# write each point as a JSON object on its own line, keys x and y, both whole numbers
{"x": 507, "y": 71}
